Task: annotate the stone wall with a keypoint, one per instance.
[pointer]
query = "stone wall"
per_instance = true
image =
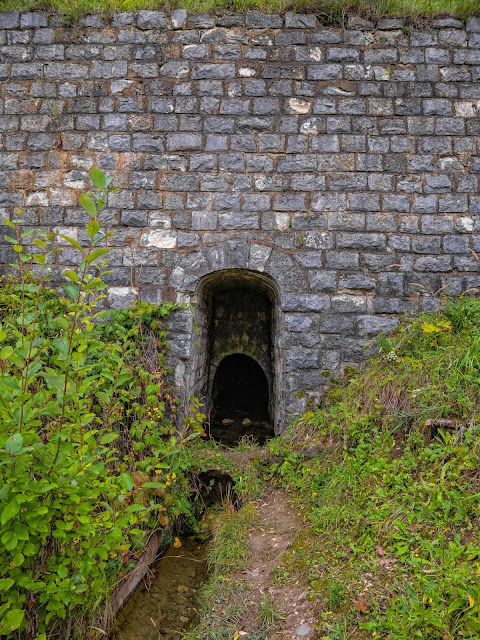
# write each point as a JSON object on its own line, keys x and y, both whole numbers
{"x": 343, "y": 163}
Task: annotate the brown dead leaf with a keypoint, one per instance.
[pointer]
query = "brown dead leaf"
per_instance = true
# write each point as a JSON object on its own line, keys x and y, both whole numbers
{"x": 380, "y": 551}
{"x": 386, "y": 561}
{"x": 360, "y": 605}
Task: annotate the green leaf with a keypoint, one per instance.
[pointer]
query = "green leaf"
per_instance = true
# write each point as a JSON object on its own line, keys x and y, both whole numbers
{"x": 62, "y": 571}
{"x": 14, "y": 444}
{"x": 153, "y": 485}
{"x": 127, "y": 481}
{"x": 93, "y": 227}
{"x": 18, "y": 248}
{"x": 108, "y": 437}
{"x": 39, "y": 257}
{"x": 71, "y": 290}
{"x": 72, "y": 275}
{"x": 96, "y": 254}
{"x": 73, "y": 242}
{"x": 3, "y": 335}
{"x": 54, "y": 380}
{"x": 9, "y": 512}
{"x": 12, "y": 620}
{"x": 133, "y": 508}
{"x": 12, "y": 542}
{"x": 9, "y": 223}
{"x": 6, "y": 352}
{"x": 10, "y": 239}
{"x": 6, "y": 583}
{"x": 98, "y": 178}
{"x": 61, "y": 322}
{"x": 88, "y": 204}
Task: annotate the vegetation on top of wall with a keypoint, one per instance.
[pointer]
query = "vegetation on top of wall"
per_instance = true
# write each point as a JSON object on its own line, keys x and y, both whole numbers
{"x": 392, "y": 548}
{"x": 329, "y": 11}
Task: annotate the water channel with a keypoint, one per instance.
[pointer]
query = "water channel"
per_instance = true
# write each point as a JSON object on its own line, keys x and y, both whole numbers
{"x": 166, "y": 605}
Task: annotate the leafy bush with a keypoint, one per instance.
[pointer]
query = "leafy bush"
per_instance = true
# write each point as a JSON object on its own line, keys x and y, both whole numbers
{"x": 89, "y": 454}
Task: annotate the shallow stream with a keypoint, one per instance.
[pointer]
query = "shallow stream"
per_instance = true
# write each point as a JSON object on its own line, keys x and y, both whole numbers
{"x": 167, "y": 604}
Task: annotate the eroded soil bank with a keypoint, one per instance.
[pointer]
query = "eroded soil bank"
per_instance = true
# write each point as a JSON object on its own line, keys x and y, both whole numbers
{"x": 166, "y": 605}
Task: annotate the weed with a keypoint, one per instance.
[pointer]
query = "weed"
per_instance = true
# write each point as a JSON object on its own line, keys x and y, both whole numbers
{"x": 228, "y": 551}
{"x": 270, "y": 614}
{"x": 335, "y": 594}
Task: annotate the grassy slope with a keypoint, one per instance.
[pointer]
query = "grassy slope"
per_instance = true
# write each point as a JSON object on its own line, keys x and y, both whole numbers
{"x": 332, "y": 11}
{"x": 392, "y": 548}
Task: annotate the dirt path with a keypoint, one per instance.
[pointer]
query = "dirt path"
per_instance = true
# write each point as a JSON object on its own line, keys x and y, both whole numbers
{"x": 276, "y": 529}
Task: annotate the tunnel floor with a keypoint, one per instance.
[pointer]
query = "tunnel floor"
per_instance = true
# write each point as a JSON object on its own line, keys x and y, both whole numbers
{"x": 229, "y": 431}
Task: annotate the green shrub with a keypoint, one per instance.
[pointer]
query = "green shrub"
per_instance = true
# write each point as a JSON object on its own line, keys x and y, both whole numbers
{"x": 89, "y": 454}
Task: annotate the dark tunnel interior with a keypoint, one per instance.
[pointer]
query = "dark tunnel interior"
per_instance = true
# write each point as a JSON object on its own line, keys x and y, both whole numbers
{"x": 240, "y": 401}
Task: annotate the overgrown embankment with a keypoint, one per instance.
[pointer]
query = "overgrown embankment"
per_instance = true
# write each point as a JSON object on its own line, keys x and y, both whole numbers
{"x": 392, "y": 545}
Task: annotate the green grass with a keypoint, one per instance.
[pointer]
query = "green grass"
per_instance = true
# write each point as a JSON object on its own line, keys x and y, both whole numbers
{"x": 223, "y": 599}
{"x": 331, "y": 11}
{"x": 392, "y": 548}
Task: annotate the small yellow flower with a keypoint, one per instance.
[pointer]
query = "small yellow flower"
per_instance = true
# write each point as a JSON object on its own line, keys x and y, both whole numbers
{"x": 177, "y": 543}
{"x": 158, "y": 472}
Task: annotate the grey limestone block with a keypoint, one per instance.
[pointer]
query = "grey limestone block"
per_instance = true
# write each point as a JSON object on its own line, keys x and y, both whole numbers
{"x": 178, "y": 17}
{"x": 257, "y": 20}
{"x": 32, "y": 20}
{"x": 151, "y": 20}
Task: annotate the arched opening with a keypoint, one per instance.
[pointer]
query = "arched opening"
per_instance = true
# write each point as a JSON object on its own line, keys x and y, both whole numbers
{"x": 240, "y": 400}
{"x": 237, "y": 368}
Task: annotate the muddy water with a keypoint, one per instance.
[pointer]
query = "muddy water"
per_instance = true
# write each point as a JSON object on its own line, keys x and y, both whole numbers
{"x": 167, "y": 607}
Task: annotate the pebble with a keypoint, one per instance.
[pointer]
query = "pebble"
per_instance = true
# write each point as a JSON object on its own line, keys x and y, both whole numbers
{"x": 304, "y": 630}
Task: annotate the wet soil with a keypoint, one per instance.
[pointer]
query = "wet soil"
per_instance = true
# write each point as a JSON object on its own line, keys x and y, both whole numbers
{"x": 166, "y": 606}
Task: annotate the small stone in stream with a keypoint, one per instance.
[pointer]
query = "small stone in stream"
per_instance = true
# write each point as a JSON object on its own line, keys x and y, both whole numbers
{"x": 246, "y": 422}
{"x": 304, "y": 630}
{"x": 227, "y": 421}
